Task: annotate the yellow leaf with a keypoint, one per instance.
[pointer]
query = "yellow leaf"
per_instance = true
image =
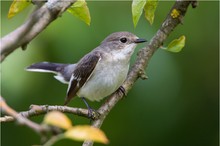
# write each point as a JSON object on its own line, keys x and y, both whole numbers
{"x": 80, "y": 10}
{"x": 86, "y": 132}
{"x": 17, "y": 6}
{"x": 175, "y": 13}
{"x": 137, "y": 9}
{"x": 150, "y": 9}
{"x": 176, "y": 45}
{"x": 57, "y": 119}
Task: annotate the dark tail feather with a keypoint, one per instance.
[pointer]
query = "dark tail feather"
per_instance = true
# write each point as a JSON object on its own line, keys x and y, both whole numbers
{"x": 46, "y": 67}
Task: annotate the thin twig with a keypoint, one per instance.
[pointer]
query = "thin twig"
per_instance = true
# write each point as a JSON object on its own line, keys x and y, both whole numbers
{"x": 20, "y": 119}
{"x": 53, "y": 140}
{"x": 43, "y": 109}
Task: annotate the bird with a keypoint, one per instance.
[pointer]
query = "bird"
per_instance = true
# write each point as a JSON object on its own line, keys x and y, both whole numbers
{"x": 100, "y": 72}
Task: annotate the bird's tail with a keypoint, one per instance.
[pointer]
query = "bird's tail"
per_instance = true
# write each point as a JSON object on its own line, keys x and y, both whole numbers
{"x": 46, "y": 67}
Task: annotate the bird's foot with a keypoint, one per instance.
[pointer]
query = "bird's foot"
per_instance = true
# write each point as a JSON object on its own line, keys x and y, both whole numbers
{"x": 92, "y": 114}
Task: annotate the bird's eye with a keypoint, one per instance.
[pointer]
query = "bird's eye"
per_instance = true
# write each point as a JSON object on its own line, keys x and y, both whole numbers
{"x": 123, "y": 40}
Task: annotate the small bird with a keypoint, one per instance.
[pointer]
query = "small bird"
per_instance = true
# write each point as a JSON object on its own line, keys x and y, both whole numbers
{"x": 100, "y": 72}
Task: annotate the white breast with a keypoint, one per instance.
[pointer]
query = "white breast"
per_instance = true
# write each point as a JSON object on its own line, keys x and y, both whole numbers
{"x": 107, "y": 77}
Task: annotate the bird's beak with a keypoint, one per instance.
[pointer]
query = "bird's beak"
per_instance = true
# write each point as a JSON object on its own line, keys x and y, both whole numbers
{"x": 140, "y": 41}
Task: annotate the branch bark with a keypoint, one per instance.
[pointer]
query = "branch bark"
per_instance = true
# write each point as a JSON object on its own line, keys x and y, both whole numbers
{"x": 144, "y": 55}
{"x": 36, "y": 110}
{"x": 35, "y": 24}
{"x": 20, "y": 119}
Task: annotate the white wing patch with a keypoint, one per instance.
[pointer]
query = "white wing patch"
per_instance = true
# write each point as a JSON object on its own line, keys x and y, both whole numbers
{"x": 71, "y": 79}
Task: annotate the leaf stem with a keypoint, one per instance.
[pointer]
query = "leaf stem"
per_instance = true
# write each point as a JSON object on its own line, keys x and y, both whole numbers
{"x": 54, "y": 139}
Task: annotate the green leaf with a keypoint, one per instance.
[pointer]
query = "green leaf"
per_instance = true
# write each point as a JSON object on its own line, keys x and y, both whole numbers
{"x": 149, "y": 9}
{"x": 137, "y": 9}
{"x": 80, "y": 10}
{"x": 176, "y": 45}
{"x": 86, "y": 132}
{"x": 17, "y": 6}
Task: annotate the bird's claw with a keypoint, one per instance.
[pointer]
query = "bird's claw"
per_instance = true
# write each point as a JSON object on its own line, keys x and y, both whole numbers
{"x": 121, "y": 90}
{"x": 93, "y": 114}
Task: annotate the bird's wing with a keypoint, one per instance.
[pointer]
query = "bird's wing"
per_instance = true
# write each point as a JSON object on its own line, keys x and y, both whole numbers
{"x": 81, "y": 74}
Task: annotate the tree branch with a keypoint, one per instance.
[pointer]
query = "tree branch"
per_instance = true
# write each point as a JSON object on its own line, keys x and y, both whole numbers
{"x": 142, "y": 61}
{"x": 35, "y": 24}
{"x": 21, "y": 120}
{"x": 43, "y": 109}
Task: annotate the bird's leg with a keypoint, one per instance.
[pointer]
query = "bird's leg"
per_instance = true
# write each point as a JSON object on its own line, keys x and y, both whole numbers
{"x": 92, "y": 114}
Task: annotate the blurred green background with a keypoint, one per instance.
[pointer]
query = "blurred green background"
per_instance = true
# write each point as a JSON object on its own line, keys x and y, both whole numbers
{"x": 176, "y": 106}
